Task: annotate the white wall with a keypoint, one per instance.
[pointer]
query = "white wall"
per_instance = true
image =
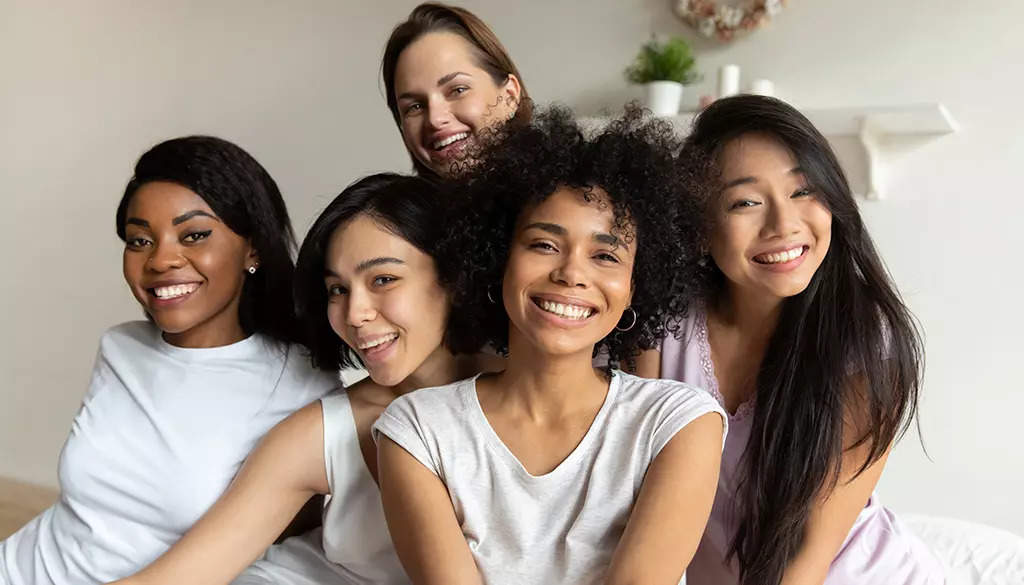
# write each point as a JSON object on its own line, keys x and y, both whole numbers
{"x": 86, "y": 87}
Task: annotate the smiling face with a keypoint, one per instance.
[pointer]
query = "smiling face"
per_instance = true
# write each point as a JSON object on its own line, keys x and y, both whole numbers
{"x": 444, "y": 98}
{"x": 771, "y": 230}
{"x": 568, "y": 278}
{"x": 384, "y": 300}
{"x": 184, "y": 265}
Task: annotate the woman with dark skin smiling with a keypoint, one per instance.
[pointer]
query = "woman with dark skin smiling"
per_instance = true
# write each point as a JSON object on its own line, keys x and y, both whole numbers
{"x": 447, "y": 77}
{"x": 806, "y": 343}
{"x": 177, "y": 402}
{"x": 373, "y": 289}
{"x": 553, "y": 471}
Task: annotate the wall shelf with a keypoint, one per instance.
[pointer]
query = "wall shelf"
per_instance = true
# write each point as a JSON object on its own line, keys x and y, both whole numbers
{"x": 871, "y": 126}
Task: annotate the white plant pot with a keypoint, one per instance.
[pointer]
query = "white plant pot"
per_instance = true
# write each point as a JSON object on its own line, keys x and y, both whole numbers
{"x": 663, "y": 97}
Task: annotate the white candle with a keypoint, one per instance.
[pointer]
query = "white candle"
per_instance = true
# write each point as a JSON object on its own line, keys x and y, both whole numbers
{"x": 728, "y": 80}
{"x": 762, "y": 87}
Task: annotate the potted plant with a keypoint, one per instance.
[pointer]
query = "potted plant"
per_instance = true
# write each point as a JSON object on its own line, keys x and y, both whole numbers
{"x": 663, "y": 68}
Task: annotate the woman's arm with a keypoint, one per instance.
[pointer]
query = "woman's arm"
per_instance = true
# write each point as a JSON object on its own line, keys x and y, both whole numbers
{"x": 422, "y": 521}
{"x": 831, "y": 519}
{"x": 672, "y": 509}
{"x": 278, "y": 477}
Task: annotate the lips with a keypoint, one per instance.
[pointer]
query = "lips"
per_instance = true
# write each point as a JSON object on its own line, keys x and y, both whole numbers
{"x": 376, "y": 348}
{"x": 168, "y": 293}
{"x": 781, "y": 256}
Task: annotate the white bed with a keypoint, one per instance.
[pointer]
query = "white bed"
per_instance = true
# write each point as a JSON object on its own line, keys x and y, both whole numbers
{"x": 973, "y": 554}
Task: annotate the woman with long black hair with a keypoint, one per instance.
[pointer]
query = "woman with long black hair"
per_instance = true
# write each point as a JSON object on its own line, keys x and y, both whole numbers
{"x": 806, "y": 343}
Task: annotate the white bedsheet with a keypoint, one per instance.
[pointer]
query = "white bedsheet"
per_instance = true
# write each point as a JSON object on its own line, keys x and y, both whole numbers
{"x": 974, "y": 554}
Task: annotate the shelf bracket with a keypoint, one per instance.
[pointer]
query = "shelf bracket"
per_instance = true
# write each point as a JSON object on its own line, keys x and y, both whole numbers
{"x": 870, "y": 138}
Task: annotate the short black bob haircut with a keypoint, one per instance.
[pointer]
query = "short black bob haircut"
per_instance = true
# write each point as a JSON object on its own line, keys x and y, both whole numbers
{"x": 652, "y": 198}
{"x": 412, "y": 208}
{"x": 245, "y": 197}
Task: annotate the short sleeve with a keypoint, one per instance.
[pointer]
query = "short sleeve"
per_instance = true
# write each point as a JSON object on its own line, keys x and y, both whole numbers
{"x": 400, "y": 423}
{"x": 679, "y": 407}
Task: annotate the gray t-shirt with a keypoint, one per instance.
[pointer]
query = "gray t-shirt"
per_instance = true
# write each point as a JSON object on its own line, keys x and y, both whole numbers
{"x": 560, "y": 527}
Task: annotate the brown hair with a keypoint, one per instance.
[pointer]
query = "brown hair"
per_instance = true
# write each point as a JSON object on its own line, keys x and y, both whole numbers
{"x": 435, "y": 17}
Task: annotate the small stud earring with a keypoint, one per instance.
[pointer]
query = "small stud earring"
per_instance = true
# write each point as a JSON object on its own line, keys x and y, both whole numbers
{"x": 252, "y": 269}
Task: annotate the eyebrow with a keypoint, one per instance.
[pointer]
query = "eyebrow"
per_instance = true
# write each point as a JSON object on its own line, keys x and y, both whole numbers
{"x": 189, "y": 215}
{"x": 748, "y": 180}
{"x": 443, "y": 80}
{"x": 367, "y": 264}
{"x": 555, "y": 229}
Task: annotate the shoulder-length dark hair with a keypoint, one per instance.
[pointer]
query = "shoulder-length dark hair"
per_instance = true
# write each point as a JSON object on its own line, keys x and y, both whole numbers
{"x": 652, "y": 200}
{"x": 845, "y": 360}
{"x": 490, "y": 54}
{"x": 410, "y": 207}
{"x": 245, "y": 197}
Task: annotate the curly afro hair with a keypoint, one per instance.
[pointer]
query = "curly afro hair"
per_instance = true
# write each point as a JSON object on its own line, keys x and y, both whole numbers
{"x": 653, "y": 198}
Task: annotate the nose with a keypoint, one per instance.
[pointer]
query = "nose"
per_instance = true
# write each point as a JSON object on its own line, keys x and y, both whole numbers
{"x": 360, "y": 308}
{"x": 782, "y": 219}
{"x": 165, "y": 257}
{"x": 438, "y": 114}
{"x": 570, "y": 272}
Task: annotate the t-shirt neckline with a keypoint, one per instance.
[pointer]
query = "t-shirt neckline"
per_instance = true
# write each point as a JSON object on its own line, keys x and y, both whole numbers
{"x": 495, "y": 442}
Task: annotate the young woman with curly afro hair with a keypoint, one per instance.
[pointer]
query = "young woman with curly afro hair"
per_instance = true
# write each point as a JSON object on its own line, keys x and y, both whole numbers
{"x": 554, "y": 471}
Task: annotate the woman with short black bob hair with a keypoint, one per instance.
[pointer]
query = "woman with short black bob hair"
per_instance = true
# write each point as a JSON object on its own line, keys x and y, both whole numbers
{"x": 176, "y": 403}
{"x": 568, "y": 246}
{"x": 805, "y": 340}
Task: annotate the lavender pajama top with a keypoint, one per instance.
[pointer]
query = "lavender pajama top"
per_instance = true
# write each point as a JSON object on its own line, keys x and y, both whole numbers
{"x": 878, "y": 550}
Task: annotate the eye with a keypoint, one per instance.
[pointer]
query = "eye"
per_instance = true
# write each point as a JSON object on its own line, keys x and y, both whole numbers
{"x": 334, "y": 290}
{"x": 740, "y": 203}
{"x": 459, "y": 90}
{"x": 543, "y": 247}
{"x": 606, "y": 257}
{"x": 804, "y": 192}
{"x": 136, "y": 242}
{"x": 412, "y": 109}
{"x": 193, "y": 237}
{"x": 383, "y": 280}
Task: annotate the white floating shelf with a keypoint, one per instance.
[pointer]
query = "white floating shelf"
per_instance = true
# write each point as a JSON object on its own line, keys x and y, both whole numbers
{"x": 871, "y": 125}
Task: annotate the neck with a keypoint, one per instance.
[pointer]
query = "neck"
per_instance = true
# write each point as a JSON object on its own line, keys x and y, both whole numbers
{"x": 209, "y": 334}
{"x": 549, "y": 386}
{"x": 441, "y": 367}
{"x": 753, "y": 313}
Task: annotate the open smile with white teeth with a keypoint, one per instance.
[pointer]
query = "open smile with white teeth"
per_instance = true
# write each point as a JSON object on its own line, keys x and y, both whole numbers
{"x": 450, "y": 140}
{"x": 574, "y": 312}
{"x": 174, "y": 291}
{"x": 378, "y": 342}
{"x": 780, "y": 257}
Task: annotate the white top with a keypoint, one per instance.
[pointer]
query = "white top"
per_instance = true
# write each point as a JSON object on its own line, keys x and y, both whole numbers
{"x": 353, "y": 547}
{"x": 160, "y": 434}
{"x": 560, "y": 527}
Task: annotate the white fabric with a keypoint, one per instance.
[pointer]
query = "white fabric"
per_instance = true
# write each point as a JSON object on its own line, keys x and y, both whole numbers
{"x": 563, "y": 526}
{"x": 160, "y": 434}
{"x": 972, "y": 554}
{"x": 353, "y": 547}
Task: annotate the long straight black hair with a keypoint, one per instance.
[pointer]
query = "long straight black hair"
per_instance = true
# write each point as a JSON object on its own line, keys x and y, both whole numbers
{"x": 845, "y": 360}
{"x": 244, "y": 195}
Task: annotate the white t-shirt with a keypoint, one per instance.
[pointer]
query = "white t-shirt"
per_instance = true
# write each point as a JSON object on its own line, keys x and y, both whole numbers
{"x": 160, "y": 434}
{"x": 353, "y": 547}
{"x": 560, "y": 527}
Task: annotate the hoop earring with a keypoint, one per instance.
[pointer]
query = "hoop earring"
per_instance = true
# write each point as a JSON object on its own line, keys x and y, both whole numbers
{"x": 490, "y": 297}
{"x": 631, "y": 325}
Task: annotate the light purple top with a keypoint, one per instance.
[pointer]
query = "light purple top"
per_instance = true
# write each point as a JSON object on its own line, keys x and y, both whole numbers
{"x": 878, "y": 550}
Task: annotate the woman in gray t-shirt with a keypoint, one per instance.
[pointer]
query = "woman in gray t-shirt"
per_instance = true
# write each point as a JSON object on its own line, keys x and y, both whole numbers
{"x": 553, "y": 471}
